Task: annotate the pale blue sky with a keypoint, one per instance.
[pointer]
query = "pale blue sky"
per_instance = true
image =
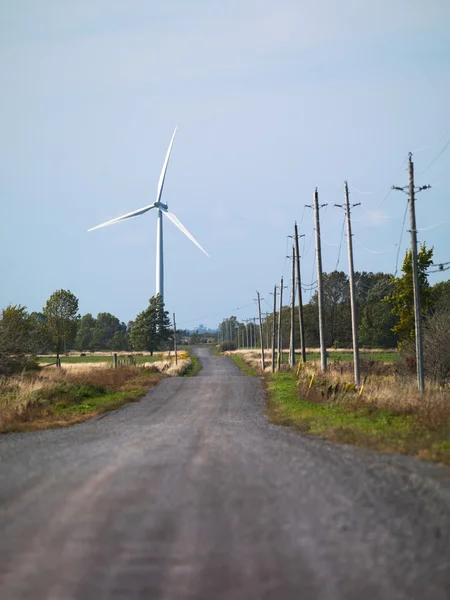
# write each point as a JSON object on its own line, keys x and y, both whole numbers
{"x": 271, "y": 99}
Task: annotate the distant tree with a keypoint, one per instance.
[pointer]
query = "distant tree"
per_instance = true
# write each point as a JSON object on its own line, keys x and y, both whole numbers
{"x": 85, "y": 330}
{"x": 402, "y": 296}
{"x": 377, "y": 319}
{"x": 16, "y": 339}
{"x": 61, "y": 312}
{"x": 195, "y": 337}
{"x": 151, "y": 330}
{"x": 441, "y": 295}
{"x": 436, "y": 344}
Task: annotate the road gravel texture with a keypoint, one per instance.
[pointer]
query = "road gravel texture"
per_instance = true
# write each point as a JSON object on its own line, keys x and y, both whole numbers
{"x": 192, "y": 494}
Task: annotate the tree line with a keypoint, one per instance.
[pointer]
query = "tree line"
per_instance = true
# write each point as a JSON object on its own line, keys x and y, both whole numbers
{"x": 385, "y": 310}
{"x": 59, "y": 328}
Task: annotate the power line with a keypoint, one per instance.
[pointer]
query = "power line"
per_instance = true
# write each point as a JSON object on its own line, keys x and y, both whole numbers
{"x": 433, "y": 226}
{"x": 373, "y": 251}
{"x": 340, "y": 244}
{"x": 441, "y": 152}
{"x": 400, "y": 240}
{"x": 374, "y": 215}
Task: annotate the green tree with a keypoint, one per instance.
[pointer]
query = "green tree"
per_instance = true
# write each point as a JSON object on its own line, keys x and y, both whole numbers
{"x": 16, "y": 339}
{"x": 86, "y": 326}
{"x": 377, "y": 319}
{"x": 441, "y": 295}
{"x": 61, "y": 312}
{"x": 151, "y": 329}
{"x": 402, "y": 296}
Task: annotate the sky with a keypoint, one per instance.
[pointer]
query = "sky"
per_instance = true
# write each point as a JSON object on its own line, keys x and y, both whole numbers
{"x": 271, "y": 99}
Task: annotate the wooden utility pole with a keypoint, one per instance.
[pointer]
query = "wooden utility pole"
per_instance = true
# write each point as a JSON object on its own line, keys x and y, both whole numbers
{"x": 415, "y": 271}
{"x": 323, "y": 350}
{"x": 175, "y": 339}
{"x": 292, "y": 340}
{"x": 351, "y": 276}
{"x": 299, "y": 294}
{"x": 274, "y": 326}
{"x": 280, "y": 329}
{"x": 416, "y": 284}
{"x": 261, "y": 332}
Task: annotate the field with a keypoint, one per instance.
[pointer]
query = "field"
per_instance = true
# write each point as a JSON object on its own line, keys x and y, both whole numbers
{"x": 101, "y": 358}
{"x": 386, "y": 413}
{"x": 81, "y": 389}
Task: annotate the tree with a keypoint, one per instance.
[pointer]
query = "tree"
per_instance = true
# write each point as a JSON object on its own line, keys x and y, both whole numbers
{"x": 441, "y": 295}
{"x": 377, "y": 319}
{"x": 151, "y": 329}
{"x": 436, "y": 343}
{"x": 16, "y": 339}
{"x": 402, "y": 296}
{"x": 86, "y": 326}
{"x": 61, "y": 312}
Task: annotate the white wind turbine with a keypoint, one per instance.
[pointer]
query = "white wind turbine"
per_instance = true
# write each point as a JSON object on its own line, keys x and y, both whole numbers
{"x": 162, "y": 209}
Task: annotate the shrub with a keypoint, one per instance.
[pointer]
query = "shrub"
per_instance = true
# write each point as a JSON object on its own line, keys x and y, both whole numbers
{"x": 227, "y": 346}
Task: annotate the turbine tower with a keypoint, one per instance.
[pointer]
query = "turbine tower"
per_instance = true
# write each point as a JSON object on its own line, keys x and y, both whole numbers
{"x": 162, "y": 209}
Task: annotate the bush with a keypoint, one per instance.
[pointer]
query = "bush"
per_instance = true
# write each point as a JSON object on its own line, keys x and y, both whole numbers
{"x": 436, "y": 345}
{"x": 227, "y": 346}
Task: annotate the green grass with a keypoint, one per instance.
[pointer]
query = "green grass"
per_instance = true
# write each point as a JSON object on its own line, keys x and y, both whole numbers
{"x": 95, "y": 358}
{"x": 243, "y": 366}
{"x": 385, "y": 357}
{"x": 28, "y": 404}
{"x": 365, "y": 426}
{"x": 194, "y": 368}
{"x": 97, "y": 404}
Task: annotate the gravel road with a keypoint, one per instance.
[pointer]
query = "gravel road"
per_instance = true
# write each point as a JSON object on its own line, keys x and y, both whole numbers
{"x": 191, "y": 494}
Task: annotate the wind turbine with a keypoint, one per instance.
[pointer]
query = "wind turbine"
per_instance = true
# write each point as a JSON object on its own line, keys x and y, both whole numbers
{"x": 162, "y": 209}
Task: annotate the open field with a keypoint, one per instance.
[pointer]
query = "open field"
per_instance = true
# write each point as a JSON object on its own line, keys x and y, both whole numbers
{"x": 386, "y": 414}
{"x": 101, "y": 358}
{"x": 78, "y": 391}
{"x": 345, "y": 354}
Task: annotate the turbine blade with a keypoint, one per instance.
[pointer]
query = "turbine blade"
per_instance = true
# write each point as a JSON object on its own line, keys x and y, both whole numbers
{"x": 135, "y": 213}
{"x": 182, "y": 228}
{"x": 164, "y": 169}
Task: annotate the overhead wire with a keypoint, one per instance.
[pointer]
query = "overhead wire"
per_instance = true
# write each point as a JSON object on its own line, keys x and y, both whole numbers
{"x": 373, "y": 251}
{"x": 436, "y": 158}
{"x": 340, "y": 244}
{"x": 400, "y": 240}
{"x": 433, "y": 226}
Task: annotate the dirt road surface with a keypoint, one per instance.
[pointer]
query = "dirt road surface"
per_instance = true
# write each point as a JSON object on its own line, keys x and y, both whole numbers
{"x": 192, "y": 494}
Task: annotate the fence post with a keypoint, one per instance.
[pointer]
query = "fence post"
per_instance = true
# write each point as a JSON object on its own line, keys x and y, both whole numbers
{"x": 115, "y": 360}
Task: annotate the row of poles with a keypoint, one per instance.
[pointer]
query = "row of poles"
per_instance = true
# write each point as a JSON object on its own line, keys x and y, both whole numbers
{"x": 277, "y": 345}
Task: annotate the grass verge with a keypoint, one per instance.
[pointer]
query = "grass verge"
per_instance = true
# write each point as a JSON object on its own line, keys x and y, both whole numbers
{"x": 63, "y": 398}
{"x": 194, "y": 368}
{"x": 243, "y": 366}
{"x": 401, "y": 429}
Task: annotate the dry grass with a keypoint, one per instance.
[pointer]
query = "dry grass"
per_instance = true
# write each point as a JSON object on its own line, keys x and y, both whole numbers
{"x": 76, "y": 392}
{"x": 387, "y": 413}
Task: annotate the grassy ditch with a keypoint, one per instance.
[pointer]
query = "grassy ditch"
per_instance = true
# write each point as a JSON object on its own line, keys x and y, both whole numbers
{"x": 60, "y": 397}
{"x": 387, "y": 414}
{"x": 194, "y": 367}
{"x": 245, "y": 368}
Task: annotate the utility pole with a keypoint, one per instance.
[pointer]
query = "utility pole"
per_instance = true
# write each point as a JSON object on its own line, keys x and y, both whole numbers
{"x": 323, "y": 350}
{"x": 415, "y": 273}
{"x": 292, "y": 340}
{"x": 175, "y": 339}
{"x": 274, "y": 326}
{"x": 351, "y": 276}
{"x": 280, "y": 329}
{"x": 299, "y": 293}
{"x": 261, "y": 332}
